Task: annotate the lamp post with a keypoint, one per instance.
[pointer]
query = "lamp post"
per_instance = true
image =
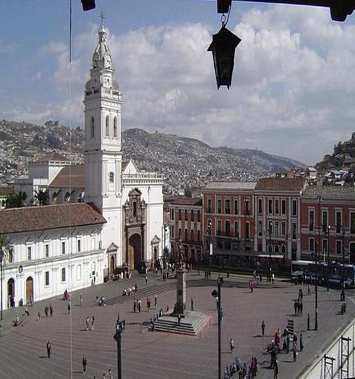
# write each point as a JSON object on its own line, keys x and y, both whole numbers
{"x": 217, "y": 295}
{"x": 210, "y": 246}
{"x": 328, "y": 256}
{"x": 270, "y": 248}
{"x": 1, "y": 279}
{"x": 317, "y": 246}
{"x": 120, "y": 327}
{"x": 342, "y": 296}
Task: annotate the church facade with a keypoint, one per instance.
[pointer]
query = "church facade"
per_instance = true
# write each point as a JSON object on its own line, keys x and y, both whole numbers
{"x": 119, "y": 225}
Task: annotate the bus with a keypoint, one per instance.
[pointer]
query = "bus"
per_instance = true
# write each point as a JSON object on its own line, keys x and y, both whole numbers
{"x": 308, "y": 271}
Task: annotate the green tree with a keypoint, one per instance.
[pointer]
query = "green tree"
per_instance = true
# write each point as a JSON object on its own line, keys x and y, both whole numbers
{"x": 16, "y": 200}
{"x": 42, "y": 197}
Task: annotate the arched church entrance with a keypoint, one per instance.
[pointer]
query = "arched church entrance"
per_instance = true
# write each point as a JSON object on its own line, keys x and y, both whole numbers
{"x": 29, "y": 290}
{"x": 11, "y": 293}
{"x": 134, "y": 254}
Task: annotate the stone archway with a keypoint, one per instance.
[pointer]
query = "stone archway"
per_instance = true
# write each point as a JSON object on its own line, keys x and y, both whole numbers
{"x": 11, "y": 293}
{"x": 134, "y": 253}
{"x": 29, "y": 290}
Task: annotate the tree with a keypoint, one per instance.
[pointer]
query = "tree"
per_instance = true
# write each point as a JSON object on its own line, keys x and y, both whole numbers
{"x": 42, "y": 197}
{"x": 16, "y": 200}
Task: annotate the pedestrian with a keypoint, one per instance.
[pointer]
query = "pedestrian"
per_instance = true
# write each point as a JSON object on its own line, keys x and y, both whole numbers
{"x": 294, "y": 350}
{"x": 231, "y": 344}
{"x": 109, "y": 374}
{"x": 263, "y": 328}
{"x": 51, "y": 310}
{"x": 179, "y": 318}
{"x": 104, "y": 375}
{"x": 81, "y": 299}
{"x": 276, "y": 370}
{"x": 295, "y": 307}
{"x": 68, "y": 307}
{"x": 146, "y": 279}
{"x": 135, "y": 287}
{"x": 139, "y": 305}
{"x": 134, "y": 305}
{"x": 272, "y": 278}
{"x": 148, "y": 304}
{"x": 192, "y": 304}
{"x": 49, "y": 349}
{"x": 288, "y": 343}
{"x": 301, "y": 341}
{"x": 84, "y": 364}
{"x": 46, "y": 310}
{"x": 39, "y": 315}
{"x": 167, "y": 309}
{"x": 155, "y": 301}
{"x": 87, "y": 323}
{"x": 92, "y": 322}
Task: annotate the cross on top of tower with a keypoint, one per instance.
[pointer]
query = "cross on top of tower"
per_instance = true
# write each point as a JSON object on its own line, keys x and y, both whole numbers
{"x": 102, "y": 17}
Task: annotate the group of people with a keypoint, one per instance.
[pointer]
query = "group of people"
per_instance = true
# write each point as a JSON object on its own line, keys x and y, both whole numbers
{"x": 298, "y": 304}
{"x": 241, "y": 370}
{"x": 131, "y": 290}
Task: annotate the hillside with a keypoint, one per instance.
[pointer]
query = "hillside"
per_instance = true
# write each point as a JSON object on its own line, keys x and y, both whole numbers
{"x": 184, "y": 162}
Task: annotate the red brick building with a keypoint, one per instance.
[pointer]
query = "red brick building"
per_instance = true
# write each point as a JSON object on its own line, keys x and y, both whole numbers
{"x": 228, "y": 221}
{"x": 328, "y": 221}
{"x": 185, "y": 220}
{"x": 277, "y": 216}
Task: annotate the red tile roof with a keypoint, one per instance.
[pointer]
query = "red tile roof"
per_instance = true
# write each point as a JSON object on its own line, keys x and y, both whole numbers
{"x": 194, "y": 201}
{"x": 27, "y": 219}
{"x": 280, "y": 184}
{"x": 70, "y": 177}
{"x": 51, "y": 157}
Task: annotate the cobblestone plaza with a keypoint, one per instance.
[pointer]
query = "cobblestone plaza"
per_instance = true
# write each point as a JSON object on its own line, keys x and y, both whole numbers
{"x": 149, "y": 354}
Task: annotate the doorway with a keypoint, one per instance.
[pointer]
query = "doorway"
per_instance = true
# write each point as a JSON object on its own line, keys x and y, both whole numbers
{"x": 134, "y": 253}
{"x": 29, "y": 290}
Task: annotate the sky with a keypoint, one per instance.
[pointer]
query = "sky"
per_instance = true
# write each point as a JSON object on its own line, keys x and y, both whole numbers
{"x": 292, "y": 94}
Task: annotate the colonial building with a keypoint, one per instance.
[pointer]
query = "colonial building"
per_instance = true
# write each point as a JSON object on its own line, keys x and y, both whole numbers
{"x": 277, "y": 216}
{"x": 328, "y": 222}
{"x": 228, "y": 221}
{"x": 185, "y": 220}
{"x": 120, "y": 224}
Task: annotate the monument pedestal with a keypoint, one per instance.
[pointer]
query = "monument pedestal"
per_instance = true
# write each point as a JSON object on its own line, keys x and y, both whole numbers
{"x": 180, "y": 292}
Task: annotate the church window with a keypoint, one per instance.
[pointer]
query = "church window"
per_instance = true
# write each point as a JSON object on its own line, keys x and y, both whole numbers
{"x": 63, "y": 274}
{"x": 47, "y": 250}
{"x": 112, "y": 177}
{"x": 115, "y": 127}
{"x": 92, "y": 127}
{"x": 11, "y": 255}
{"x": 29, "y": 253}
{"x": 63, "y": 247}
{"x": 46, "y": 278}
{"x": 134, "y": 209}
{"x": 79, "y": 246}
{"x": 107, "y": 126}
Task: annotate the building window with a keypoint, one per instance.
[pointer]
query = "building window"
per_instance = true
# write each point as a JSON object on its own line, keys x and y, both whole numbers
{"x": 270, "y": 207}
{"x": 227, "y": 207}
{"x": 311, "y": 245}
{"x": 179, "y": 233}
{"x": 228, "y": 228}
{"x": 63, "y": 247}
{"x": 107, "y": 126}
{"x": 209, "y": 206}
{"x": 172, "y": 213}
{"x": 186, "y": 218}
{"x": 276, "y": 207}
{"x": 46, "y": 248}
{"x": 192, "y": 235}
{"x": 339, "y": 247}
{"x": 179, "y": 214}
{"x": 338, "y": 221}
{"x": 260, "y": 228}
{"x": 247, "y": 230}
{"x": 219, "y": 227}
{"x": 283, "y": 207}
{"x": 186, "y": 237}
{"x": 311, "y": 220}
{"x": 115, "y": 127}
{"x": 134, "y": 209}
{"x": 78, "y": 272}
{"x": 79, "y": 246}
{"x": 294, "y": 207}
{"x": 283, "y": 229}
{"x": 92, "y": 127}
{"x": 325, "y": 246}
{"x": 198, "y": 216}
{"x": 294, "y": 231}
{"x": 172, "y": 231}
{"x": 29, "y": 253}
{"x": 324, "y": 221}
{"x": 219, "y": 206}
{"x": 46, "y": 278}
{"x": 352, "y": 222}
{"x": 198, "y": 235}
{"x": 247, "y": 207}
{"x": 236, "y": 207}
{"x": 63, "y": 274}
{"x": 112, "y": 177}
{"x": 11, "y": 254}
{"x": 192, "y": 216}
{"x": 236, "y": 229}
{"x": 276, "y": 229}
{"x": 260, "y": 206}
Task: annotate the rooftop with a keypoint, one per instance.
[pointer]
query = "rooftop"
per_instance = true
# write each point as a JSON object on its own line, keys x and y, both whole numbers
{"x": 329, "y": 192}
{"x": 70, "y": 177}
{"x": 280, "y": 184}
{"x": 230, "y": 186}
{"x": 26, "y": 219}
{"x": 193, "y": 201}
{"x": 50, "y": 157}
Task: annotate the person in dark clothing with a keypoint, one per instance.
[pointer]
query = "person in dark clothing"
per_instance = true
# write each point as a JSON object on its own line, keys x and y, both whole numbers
{"x": 49, "y": 349}
{"x": 84, "y": 364}
{"x": 51, "y": 310}
{"x": 276, "y": 370}
{"x": 301, "y": 341}
{"x": 263, "y": 328}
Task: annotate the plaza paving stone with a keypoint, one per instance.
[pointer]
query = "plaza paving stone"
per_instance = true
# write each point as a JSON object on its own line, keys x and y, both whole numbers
{"x": 158, "y": 355}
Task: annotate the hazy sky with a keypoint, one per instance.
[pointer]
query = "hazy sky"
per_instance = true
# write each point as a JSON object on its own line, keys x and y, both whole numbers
{"x": 293, "y": 90}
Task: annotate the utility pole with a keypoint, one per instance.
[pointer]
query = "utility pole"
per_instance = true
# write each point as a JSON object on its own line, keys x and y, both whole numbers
{"x": 218, "y": 296}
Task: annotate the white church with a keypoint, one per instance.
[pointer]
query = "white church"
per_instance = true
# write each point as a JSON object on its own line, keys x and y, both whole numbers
{"x": 72, "y": 245}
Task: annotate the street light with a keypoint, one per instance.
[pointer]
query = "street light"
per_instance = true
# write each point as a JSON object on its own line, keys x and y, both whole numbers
{"x": 218, "y": 296}
{"x": 1, "y": 279}
{"x": 120, "y": 327}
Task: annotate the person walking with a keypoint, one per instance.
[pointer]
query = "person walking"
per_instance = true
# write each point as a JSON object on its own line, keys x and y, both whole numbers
{"x": 192, "y": 304}
{"x": 155, "y": 301}
{"x": 301, "y": 341}
{"x": 46, "y": 309}
{"x": 134, "y": 305}
{"x": 148, "y": 304}
{"x": 81, "y": 299}
{"x": 146, "y": 279}
{"x": 87, "y": 323}
{"x": 92, "y": 322}
{"x": 263, "y": 328}
{"x": 109, "y": 374}
{"x": 84, "y": 361}
{"x": 49, "y": 349}
{"x": 69, "y": 307}
{"x": 294, "y": 350}
{"x": 51, "y": 310}
{"x": 231, "y": 344}
{"x": 276, "y": 370}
